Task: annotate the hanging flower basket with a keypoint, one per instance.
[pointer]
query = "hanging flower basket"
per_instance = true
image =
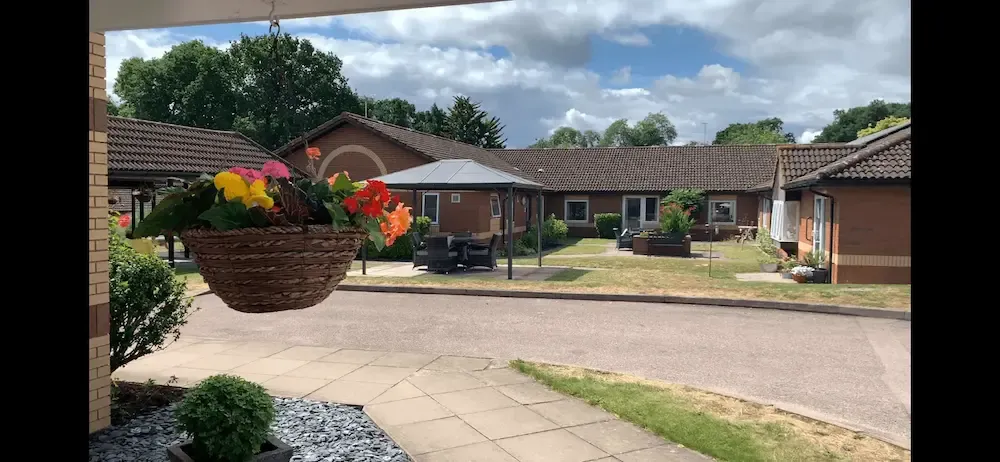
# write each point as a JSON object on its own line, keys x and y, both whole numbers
{"x": 265, "y": 242}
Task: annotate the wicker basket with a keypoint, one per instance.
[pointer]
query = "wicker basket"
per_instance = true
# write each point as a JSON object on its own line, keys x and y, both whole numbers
{"x": 279, "y": 268}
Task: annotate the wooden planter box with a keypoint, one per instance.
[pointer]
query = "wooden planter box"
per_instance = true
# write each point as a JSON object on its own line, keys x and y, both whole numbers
{"x": 661, "y": 246}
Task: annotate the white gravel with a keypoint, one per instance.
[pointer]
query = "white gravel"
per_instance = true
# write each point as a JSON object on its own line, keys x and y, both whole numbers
{"x": 318, "y": 432}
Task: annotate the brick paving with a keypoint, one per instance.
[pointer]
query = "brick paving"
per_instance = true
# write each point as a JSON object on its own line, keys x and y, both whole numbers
{"x": 437, "y": 408}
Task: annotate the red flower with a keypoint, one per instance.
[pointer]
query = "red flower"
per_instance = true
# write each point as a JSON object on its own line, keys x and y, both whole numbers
{"x": 124, "y": 220}
{"x": 372, "y": 209}
{"x": 312, "y": 152}
{"x": 352, "y": 204}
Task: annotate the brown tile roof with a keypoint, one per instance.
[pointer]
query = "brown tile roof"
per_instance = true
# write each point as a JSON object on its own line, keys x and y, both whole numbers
{"x": 124, "y": 203}
{"x": 887, "y": 158}
{"x": 141, "y": 146}
{"x": 432, "y": 146}
{"x": 650, "y": 168}
{"x": 799, "y": 159}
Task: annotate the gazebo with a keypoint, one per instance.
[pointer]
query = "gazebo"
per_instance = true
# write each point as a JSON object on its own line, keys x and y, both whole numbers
{"x": 469, "y": 175}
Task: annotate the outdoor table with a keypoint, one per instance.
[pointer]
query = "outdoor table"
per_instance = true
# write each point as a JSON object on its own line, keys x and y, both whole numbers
{"x": 461, "y": 245}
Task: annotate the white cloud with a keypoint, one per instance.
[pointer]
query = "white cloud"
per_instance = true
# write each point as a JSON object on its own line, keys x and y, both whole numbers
{"x": 809, "y": 135}
{"x": 804, "y": 59}
{"x": 631, "y": 38}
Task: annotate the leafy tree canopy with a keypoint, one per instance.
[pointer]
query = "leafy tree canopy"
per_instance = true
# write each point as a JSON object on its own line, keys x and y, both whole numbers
{"x": 654, "y": 130}
{"x": 767, "y": 131}
{"x": 883, "y": 124}
{"x": 848, "y": 122}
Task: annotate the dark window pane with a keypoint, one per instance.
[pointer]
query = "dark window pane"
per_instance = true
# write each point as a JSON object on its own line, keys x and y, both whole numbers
{"x": 722, "y": 212}
{"x": 576, "y": 211}
{"x": 651, "y": 204}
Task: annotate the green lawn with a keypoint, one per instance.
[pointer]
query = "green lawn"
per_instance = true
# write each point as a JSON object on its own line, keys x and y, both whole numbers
{"x": 725, "y": 428}
{"x": 669, "y": 276}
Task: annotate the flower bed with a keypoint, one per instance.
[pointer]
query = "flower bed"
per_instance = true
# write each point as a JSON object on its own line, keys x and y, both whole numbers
{"x": 265, "y": 241}
{"x": 316, "y": 431}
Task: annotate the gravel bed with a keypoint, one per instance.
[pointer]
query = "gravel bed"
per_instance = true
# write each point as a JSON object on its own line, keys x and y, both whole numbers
{"x": 318, "y": 432}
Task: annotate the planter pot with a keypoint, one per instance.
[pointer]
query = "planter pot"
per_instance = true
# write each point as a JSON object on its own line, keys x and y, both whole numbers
{"x": 820, "y": 275}
{"x": 768, "y": 267}
{"x": 786, "y": 275}
{"x": 673, "y": 238}
{"x": 278, "y": 268}
{"x": 798, "y": 278}
{"x": 144, "y": 196}
{"x": 273, "y": 450}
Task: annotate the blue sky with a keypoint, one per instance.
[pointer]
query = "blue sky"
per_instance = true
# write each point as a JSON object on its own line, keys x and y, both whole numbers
{"x": 542, "y": 64}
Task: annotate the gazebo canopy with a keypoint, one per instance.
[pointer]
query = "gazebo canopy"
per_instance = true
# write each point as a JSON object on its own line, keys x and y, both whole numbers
{"x": 455, "y": 174}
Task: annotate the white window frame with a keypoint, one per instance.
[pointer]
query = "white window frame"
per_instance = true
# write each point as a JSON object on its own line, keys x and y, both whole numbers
{"x": 711, "y": 212}
{"x": 586, "y": 215}
{"x": 819, "y": 224}
{"x": 437, "y": 210}
{"x": 456, "y": 198}
{"x": 499, "y": 210}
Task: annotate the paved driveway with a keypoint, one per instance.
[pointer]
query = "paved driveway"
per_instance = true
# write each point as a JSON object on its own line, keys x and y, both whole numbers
{"x": 844, "y": 369}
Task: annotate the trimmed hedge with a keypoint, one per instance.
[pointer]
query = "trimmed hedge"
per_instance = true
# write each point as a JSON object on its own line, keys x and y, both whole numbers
{"x": 606, "y": 224}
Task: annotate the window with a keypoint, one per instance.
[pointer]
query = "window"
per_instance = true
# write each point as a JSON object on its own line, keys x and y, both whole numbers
{"x": 722, "y": 212}
{"x": 456, "y": 198}
{"x": 495, "y": 206}
{"x": 819, "y": 224}
{"x": 577, "y": 211}
{"x": 652, "y": 204}
{"x": 430, "y": 208}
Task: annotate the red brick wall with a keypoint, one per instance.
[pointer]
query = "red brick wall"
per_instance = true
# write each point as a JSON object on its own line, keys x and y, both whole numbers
{"x": 871, "y": 235}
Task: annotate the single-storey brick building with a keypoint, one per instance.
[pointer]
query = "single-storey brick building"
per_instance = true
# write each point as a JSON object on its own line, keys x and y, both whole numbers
{"x": 850, "y": 201}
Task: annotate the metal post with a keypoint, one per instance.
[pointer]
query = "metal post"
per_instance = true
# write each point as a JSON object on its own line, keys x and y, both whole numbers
{"x": 538, "y": 225}
{"x": 170, "y": 249}
{"x": 510, "y": 232}
{"x": 364, "y": 257}
{"x": 709, "y": 229}
{"x": 133, "y": 212}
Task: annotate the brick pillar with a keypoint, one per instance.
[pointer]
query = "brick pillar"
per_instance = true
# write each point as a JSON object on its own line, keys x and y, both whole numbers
{"x": 100, "y": 349}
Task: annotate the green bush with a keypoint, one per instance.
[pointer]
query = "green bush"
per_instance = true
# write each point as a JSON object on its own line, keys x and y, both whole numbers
{"x": 688, "y": 199}
{"x": 401, "y": 250}
{"x": 147, "y": 302}
{"x": 228, "y": 418}
{"x": 521, "y": 249}
{"x": 675, "y": 219}
{"x": 813, "y": 258}
{"x": 422, "y": 225}
{"x": 606, "y": 224}
{"x": 554, "y": 231}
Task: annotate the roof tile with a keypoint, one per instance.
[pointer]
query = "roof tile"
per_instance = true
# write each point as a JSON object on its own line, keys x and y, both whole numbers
{"x": 887, "y": 158}
{"x": 145, "y": 146}
{"x": 648, "y": 168}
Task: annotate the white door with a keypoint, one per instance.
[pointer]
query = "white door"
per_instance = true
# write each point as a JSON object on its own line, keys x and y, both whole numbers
{"x": 819, "y": 225}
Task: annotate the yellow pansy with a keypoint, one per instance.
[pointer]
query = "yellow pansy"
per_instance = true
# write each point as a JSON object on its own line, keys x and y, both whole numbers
{"x": 257, "y": 196}
{"x": 232, "y": 185}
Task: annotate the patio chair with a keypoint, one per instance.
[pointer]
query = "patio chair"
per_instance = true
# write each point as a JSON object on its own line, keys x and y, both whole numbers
{"x": 623, "y": 240}
{"x": 419, "y": 250}
{"x": 484, "y": 255}
{"x": 440, "y": 257}
{"x": 463, "y": 234}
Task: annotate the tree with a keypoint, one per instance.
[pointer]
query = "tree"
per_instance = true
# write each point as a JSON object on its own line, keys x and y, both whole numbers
{"x": 285, "y": 93}
{"x": 121, "y": 110}
{"x": 271, "y": 97}
{"x": 393, "y": 111}
{"x": 569, "y": 137}
{"x": 467, "y": 123}
{"x": 654, "y": 130}
{"x": 431, "y": 121}
{"x": 767, "y": 131}
{"x": 192, "y": 84}
{"x": 883, "y": 124}
{"x": 847, "y": 123}
{"x": 617, "y": 134}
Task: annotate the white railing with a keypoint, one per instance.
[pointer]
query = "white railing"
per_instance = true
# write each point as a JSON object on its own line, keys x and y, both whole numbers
{"x": 785, "y": 221}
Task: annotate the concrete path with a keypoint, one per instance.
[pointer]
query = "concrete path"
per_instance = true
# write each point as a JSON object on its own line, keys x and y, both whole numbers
{"x": 843, "y": 369}
{"x": 437, "y": 408}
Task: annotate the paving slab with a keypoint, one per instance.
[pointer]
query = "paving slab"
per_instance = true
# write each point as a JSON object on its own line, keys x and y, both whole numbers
{"x": 321, "y": 370}
{"x": 507, "y": 422}
{"x": 399, "y": 391}
{"x": 258, "y": 349}
{"x": 361, "y": 357}
{"x": 458, "y": 363}
{"x": 434, "y": 382}
{"x": 551, "y": 446}
{"x": 293, "y": 387}
{"x": 380, "y": 374}
{"x": 346, "y": 392}
{"x": 664, "y": 453}
{"x": 477, "y": 400}
{"x": 304, "y": 353}
{"x": 501, "y": 376}
{"x": 616, "y": 436}
{"x": 434, "y": 435}
{"x": 487, "y": 451}
{"x": 415, "y": 360}
{"x": 219, "y": 362}
{"x": 530, "y": 393}
{"x": 407, "y": 411}
{"x": 570, "y": 412}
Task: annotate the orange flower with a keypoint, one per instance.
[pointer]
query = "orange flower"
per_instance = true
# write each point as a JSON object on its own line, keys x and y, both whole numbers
{"x": 312, "y": 152}
{"x": 396, "y": 224}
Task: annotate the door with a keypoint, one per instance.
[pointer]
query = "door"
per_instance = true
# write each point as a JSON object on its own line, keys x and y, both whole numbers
{"x": 633, "y": 212}
{"x": 819, "y": 225}
{"x": 641, "y": 212}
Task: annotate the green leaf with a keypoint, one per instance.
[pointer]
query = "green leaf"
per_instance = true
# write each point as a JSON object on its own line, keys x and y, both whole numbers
{"x": 231, "y": 215}
{"x": 375, "y": 233}
{"x": 342, "y": 183}
{"x": 206, "y": 177}
{"x": 164, "y": 216}
{"x": 321, "y": 191}
{"x": 259, "y": 217}
{"x": 338, "y": 214}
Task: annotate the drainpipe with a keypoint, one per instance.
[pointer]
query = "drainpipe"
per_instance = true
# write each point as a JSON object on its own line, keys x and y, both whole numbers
{"x": 833, "y": 203}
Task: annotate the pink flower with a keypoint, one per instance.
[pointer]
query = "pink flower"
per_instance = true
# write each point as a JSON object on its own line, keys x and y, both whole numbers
{"x": 248, "y": 174}
{"x": 124, "y": 220}
{"x": 275, "y": 169}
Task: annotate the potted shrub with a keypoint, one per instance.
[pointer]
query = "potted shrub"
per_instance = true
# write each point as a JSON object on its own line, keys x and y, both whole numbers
{"x": 802, "y": 274}
{"x": 228, "y": 419}
{"x": 816, "y": 260}
{"x": 266, "y": 242}
{"x": 768, "y": 264}
{"x": 675, "y": 222}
